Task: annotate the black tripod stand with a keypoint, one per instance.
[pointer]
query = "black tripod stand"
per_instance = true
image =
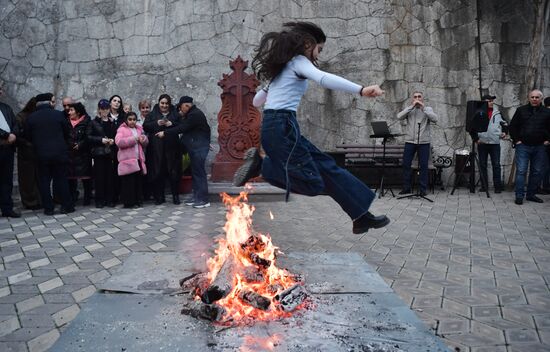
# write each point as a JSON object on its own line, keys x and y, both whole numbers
{"x": 473, "y": 159}
{"x": 381, "y": 190}
{"x": 418, "y": 192}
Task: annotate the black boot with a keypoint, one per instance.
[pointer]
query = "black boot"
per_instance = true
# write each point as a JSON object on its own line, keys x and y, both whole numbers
{"x": 176, "y": 199}
{"x": 367, "y": 221}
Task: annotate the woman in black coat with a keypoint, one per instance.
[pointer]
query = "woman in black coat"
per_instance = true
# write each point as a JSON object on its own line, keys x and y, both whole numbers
{"x": 164, "y": 153}
{"x": 101, "y": 136}
{"x": 80, "y": 163}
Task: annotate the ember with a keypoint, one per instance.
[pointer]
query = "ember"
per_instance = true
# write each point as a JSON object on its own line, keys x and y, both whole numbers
{"x": 243, "y": 283}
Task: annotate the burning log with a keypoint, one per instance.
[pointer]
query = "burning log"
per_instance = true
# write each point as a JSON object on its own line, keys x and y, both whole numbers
{"x": 195, "y": 283}
{"x": 251, "y": 274}
{"x": 291, "y": 298}
{"x": 222, "y": 284}
{"x": 253, "y": 244}
{"x": 259, "y": 261}
{"x": 197, "y": 309}
{"x": 255, "y": 300}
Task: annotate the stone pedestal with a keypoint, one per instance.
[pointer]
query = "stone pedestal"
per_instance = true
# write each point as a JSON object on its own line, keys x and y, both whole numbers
{"x": 238, "y": 120}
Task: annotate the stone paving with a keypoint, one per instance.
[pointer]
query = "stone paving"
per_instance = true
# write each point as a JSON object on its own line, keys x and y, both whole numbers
{"x": 474, "y": 269}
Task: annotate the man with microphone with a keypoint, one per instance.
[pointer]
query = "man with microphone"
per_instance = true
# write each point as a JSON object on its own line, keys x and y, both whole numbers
{"x": 417, "y": 140}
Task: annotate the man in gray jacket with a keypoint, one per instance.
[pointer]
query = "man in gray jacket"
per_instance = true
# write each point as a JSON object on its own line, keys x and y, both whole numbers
{"x": 488, "y": 144}
{"x": 418, "y": 118}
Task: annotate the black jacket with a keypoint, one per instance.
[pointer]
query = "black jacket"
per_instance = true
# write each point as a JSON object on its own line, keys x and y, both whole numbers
{"x": 194, "y": 130}
{"x": 165, "y": 149}
{"x": 12, "y": 122}
{"x": 95, "y": 132}
{"x": 530, "y": 125}
{"x": 80, "y": 159}
{"x": 48, "y": 130}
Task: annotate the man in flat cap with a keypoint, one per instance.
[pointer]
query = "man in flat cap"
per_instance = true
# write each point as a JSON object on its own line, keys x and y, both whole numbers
{"x": 48, "y": 130}
{"x": 488, "y": 144}
{"x": 195, "y": 137}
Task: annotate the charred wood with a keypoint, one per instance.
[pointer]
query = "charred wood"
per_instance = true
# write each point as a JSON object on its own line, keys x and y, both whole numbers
{"x": 222, "y": 284}
{"x": 291, "y": 298}
{"x": 259, "y": 261}
{"x": 197, "y": 309}
{"x": 255, "y": 300}
{"x": 253, "y": 244}
{"x": 251, "y": 274}
{"x": 195, "y": 283}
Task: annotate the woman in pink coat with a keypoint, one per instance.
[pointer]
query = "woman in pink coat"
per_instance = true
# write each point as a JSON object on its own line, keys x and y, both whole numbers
{"x": 130, "y": 141}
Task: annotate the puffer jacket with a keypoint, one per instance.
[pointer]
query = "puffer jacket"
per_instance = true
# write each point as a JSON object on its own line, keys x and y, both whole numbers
{"x": 80, "y": 160}
{"x": 492, "y": 135}
{"x": 128, "y": 160}
{"x": 96, "y": 133}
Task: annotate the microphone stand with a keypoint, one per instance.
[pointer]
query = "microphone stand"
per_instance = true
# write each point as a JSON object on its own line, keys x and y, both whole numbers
{"x": 417, "y": 194}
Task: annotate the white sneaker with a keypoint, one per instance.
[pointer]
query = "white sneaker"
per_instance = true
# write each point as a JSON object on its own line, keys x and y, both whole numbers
{"x": 200, "y": 205}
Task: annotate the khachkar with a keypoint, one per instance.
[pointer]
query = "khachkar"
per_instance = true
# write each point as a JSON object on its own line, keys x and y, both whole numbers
{"x": 238, "y": 120}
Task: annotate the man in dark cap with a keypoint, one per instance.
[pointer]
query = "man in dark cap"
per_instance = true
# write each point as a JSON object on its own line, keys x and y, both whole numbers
{"x": 530, "y": 132}
{"x": 195, "y": 137}
{"x": 488, "y": 144}
{"x": 8, "y": 132}
{"x": 48, "y": 130}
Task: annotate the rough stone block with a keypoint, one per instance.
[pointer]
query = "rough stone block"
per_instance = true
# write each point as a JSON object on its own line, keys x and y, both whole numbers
{"x": 98, "y": 27}
{"x": 136, "y": 45}
{"x": 83, "y": 50}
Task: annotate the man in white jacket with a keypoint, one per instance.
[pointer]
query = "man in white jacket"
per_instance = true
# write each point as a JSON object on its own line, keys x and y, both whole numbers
{"x": 488, "y": 144}
{"x": 417, "y": 140}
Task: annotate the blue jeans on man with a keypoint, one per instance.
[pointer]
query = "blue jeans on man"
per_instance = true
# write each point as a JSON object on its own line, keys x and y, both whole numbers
{"x": 423, "y": 151}
{"x": 492, "y": 150}
{"x": 525, "y": 154}
{"x": 199, "y": 179}
{"x": 294, "y": 163}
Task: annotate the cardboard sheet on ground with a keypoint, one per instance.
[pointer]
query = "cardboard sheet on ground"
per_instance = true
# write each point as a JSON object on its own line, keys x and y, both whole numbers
{"x": 150, "y": 273}
{"x": 377, "y": 321}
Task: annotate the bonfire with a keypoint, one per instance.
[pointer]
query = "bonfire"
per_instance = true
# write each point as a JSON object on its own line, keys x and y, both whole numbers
{"x": 243, "y": 283}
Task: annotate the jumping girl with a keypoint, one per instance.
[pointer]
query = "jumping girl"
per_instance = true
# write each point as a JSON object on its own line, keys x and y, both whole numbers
{"x": 286, "y": 60}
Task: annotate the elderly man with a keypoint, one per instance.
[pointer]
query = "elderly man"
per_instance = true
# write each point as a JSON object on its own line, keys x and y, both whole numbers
{"x": 8, "y": 131}
{"x": 530, "y": 133}
{"x": 48, "y": 130}
{"x": 66, "y": 102}
{"x": 417, "y": 140}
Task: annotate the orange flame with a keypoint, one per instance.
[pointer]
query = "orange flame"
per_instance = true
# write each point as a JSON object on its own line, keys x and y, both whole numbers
{"x": 238, "y": 229}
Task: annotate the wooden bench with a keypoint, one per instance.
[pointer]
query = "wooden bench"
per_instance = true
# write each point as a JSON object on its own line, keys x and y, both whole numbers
{"x": 366, "y": 161}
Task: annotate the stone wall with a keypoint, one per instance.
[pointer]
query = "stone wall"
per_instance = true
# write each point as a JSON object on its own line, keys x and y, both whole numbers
{"x": 142, "y": 48}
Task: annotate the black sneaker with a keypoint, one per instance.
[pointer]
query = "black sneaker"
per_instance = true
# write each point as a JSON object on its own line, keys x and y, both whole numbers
{"x": 535, "y": 199}
{"x": 367, "y": 221}
{"x": 498, "y": 190}
{"x": 405, "y": 191}
{"x": 519, "y": 201}
{"x": 249, "y": 169}
{"x": 10, "y": 214}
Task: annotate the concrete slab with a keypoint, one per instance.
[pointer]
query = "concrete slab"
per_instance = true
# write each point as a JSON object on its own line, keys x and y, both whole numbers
{"x": 353, "y": 309}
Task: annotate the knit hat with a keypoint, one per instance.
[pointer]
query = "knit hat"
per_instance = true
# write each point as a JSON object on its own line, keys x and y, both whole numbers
{"x": 44, "y": 97}
{"x": 488, "y": 97}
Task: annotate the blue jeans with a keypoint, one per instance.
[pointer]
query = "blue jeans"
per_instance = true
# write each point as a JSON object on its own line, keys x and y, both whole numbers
{"x": 294, "y": 163}
{"x": 526, "y": 154}
{"x": 198, "y": 172}
{"x": 493, "y": 150}
{"x": 423, "y": 151}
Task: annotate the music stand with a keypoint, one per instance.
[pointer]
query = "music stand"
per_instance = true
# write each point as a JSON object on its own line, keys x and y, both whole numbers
{"x": 381, "y": 130}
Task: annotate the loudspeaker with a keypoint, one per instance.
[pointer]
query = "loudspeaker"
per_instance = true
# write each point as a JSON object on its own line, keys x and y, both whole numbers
{"x": 476, "y": 116}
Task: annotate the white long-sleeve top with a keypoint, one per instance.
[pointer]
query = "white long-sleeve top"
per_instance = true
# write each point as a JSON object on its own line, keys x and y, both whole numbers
{"x": 286, "y": 90}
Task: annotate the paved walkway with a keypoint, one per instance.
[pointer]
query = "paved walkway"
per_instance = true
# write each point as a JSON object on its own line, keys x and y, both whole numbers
{"x": 476, "y": 270}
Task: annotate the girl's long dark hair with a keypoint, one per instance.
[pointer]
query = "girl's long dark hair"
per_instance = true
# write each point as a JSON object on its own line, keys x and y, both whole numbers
{"x": 120, "y": 110}
{"x": 79, "y": 108}
{"x": 278, "y": 48}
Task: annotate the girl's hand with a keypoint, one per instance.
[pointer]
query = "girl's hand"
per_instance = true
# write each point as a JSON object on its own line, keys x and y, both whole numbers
{"x": 372, "y": 91}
